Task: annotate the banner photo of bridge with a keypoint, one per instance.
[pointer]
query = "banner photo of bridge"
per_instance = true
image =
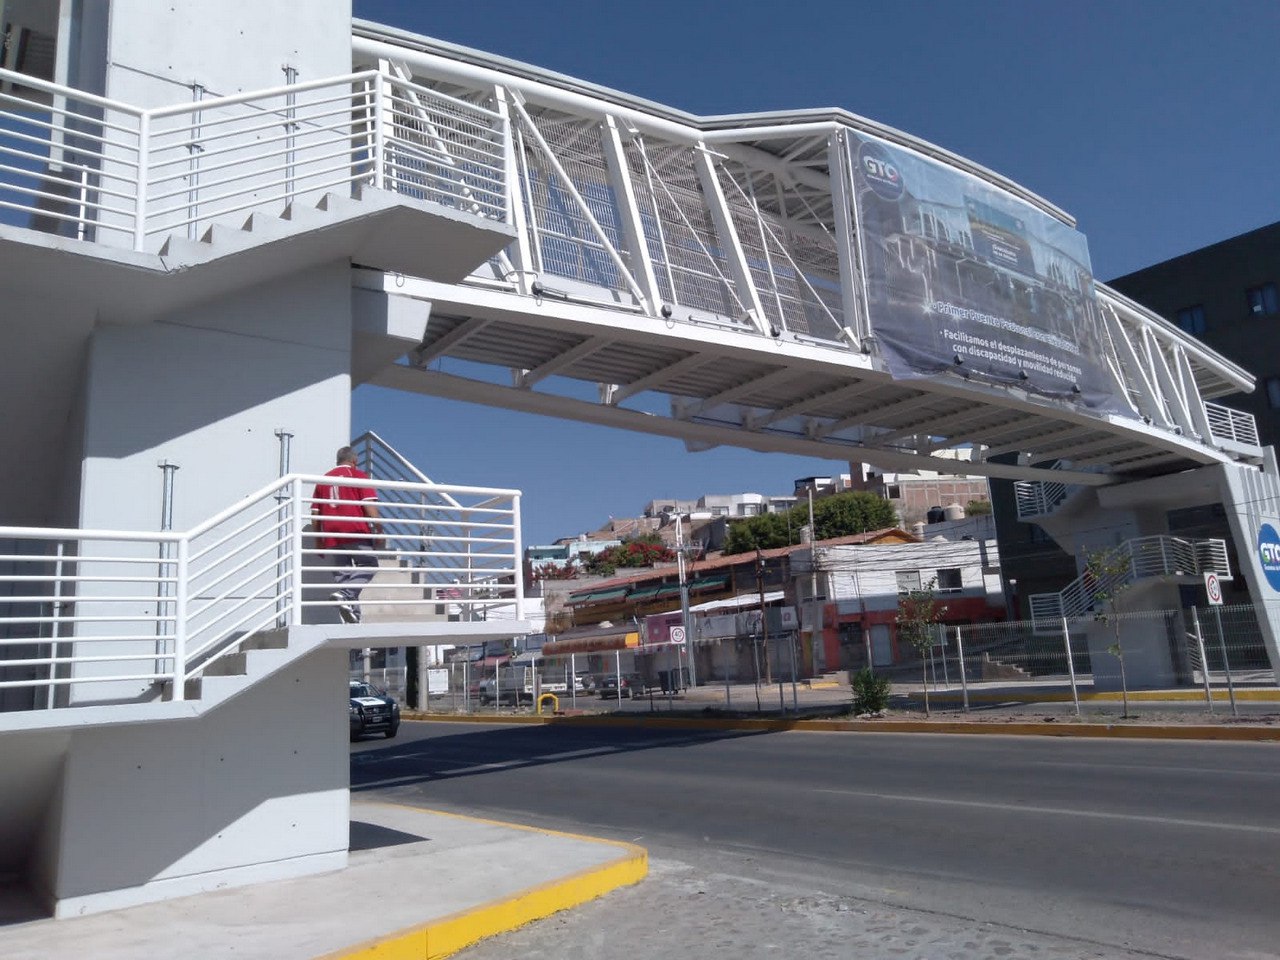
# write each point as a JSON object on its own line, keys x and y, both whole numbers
{"x": 965, "y": 279}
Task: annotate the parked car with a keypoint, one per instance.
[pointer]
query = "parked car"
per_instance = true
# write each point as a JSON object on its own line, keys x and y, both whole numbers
{"x": 372, "y": 711}
{"x": 632, "y": 685}
{"x": 490, "y": 690}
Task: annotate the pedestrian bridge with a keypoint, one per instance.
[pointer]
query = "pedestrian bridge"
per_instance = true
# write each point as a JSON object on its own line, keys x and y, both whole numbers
{"x": 195, "y": 274}
{"x": 743, "y": 280}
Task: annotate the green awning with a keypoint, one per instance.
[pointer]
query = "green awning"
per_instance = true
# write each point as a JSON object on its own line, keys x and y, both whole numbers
{"x": 615, "y": 594}
{"x": 710, "y": 583}
{"x": 644, "y": 593}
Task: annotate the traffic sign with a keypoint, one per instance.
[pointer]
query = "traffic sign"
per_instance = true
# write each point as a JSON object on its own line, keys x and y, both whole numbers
{"x": 677, "y": 634}
{"x": 1213, "y": 587}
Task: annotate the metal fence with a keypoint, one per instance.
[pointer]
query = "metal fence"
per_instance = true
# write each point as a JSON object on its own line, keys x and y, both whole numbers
{"x": 1211, "y": 650}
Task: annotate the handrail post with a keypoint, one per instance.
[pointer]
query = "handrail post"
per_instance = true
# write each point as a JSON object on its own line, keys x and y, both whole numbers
{"x": 1071, "y": 664}
{"x": 517, "y": 550}
{"x": 1204, "y": 659}
{"x": 295, "y": 551}
{"x": 180, "y": 623}
{"x": 379, "y": 132}
{"x": 140, "y": 205}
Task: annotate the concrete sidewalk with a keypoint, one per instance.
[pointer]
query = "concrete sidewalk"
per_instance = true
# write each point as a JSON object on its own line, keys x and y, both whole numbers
{"x": 421, "y": 884}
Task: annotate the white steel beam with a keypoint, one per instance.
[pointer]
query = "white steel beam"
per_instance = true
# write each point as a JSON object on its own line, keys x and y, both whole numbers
{"x": 732, "y": 394}
{"x": 842, "y": 200}
{"x": 847, "y": 392}
{"x": 935, "y": 426}
{"x": 583, "y": 208}
{"x": 730, "y": 243}
{"x": 859, "y": 417}
{"x": 521, "y": 256}
{"x": 553, "y": 366}
{"x": 656, "y": 379}
{"x": 629, "y": 212}
{"x": 424, "y": 354}
{"x": 1199, "y": 416}
{"x": 435, "y": 383}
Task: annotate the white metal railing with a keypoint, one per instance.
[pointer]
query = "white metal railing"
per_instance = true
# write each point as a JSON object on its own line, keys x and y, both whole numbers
{"x": 1159, "y": 556}
{"x": 136, "y": 609}
{"x": 74, "y": 163}
{"x": 1232, "y": 425}
{"x": 1038, "y": 498}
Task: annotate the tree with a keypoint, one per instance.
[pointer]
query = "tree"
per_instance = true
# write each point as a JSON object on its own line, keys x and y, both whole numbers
{"x": 555, "y": 571}
{"x": 644, "y": 550}
{"x": 919, "y": 612}
{"x": 977, "y": 508}
{"x": 1106, "y": 573}
{"x": 835, "y": 516}
{"x": 763, "y": 532}
{"x": 848, "y": 513}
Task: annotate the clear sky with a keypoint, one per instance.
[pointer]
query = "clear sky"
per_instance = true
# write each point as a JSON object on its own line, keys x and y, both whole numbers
{"x": 1156, "y": 123}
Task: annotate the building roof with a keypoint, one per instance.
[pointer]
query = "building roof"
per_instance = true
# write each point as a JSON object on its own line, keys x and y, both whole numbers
{"x": 701, "y": 570}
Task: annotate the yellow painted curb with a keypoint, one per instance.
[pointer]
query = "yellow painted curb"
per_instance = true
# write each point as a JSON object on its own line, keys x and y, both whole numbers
{"x": 1065, "y": 728}
{"x": 447, "y": 935}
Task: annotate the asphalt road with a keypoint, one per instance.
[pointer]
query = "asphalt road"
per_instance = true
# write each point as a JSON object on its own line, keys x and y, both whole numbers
{"x": 1167, "y": 848}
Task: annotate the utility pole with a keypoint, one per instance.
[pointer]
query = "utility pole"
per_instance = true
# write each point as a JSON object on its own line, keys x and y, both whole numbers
{"x": 764, "y": 620}
{"x": 684, "y": 603}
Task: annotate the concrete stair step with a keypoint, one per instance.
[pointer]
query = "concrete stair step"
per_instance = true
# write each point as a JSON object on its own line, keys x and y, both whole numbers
{"x": 337, "y": 205}
{"x": 265, "y": 226}
{"x": 267, "y": 640}
{"x": 184, "y": 250}
{"x": 228, "y": 665}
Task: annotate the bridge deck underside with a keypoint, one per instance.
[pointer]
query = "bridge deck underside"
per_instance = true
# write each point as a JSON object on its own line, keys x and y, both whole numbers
{"x": 754, "y": 394}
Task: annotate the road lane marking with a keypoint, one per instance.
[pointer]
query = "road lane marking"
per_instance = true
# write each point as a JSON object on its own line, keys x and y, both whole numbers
{"x": 1053, "y": 811}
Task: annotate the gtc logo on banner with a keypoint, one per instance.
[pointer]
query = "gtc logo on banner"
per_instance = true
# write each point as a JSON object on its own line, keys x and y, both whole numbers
{"x": 1269, "y": 554}
{"x": 878, "y": 169}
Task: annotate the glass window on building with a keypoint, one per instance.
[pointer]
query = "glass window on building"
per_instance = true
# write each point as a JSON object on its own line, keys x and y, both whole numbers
{"x": 949, "y": 579}
{"x": 1191, "y": 319}
{"x": 1263, "y": 299}
{"x": 1273, "y": 392}
{"x": 908, "y": 580}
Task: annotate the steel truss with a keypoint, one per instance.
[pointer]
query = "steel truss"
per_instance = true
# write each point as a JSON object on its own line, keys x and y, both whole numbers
{"x": 713, "y": 264}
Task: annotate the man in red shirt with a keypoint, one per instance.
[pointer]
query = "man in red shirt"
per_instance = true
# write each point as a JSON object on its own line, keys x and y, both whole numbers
{"x": 346, "y": 516}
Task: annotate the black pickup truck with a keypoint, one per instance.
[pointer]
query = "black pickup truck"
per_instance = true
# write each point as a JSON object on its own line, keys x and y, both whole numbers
{"x": 372, "y": 711}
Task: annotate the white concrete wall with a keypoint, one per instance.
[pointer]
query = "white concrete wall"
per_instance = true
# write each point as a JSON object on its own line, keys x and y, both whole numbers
{"x": 206, "y": 388}
{"x": 256, "y": 790}
{"x": 157, "y": 52}
{"x": 29, "y": 781}
{"x": 870, "y": 572}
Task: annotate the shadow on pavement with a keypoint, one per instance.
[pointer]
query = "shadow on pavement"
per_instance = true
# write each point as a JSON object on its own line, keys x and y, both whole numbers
{"x": 478, "y": 752}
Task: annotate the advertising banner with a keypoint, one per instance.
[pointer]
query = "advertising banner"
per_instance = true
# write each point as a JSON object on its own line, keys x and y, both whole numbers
{"x": 965, "y": 279}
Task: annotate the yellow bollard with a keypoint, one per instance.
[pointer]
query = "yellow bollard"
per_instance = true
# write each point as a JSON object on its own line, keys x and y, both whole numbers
{"x": 555, "y": 703}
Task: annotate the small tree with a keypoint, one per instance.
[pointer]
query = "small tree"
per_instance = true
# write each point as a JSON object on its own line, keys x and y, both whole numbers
{"x": 1107, "y": 574}
{"x": 919, "y": 612}
{"x": 978, "y": 508}
{"x": 870, "y": 693}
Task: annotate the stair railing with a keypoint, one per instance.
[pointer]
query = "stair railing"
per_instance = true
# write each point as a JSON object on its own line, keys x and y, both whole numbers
{"x": 1147, "y": 557}
{"x": 99, "y": 169}
{"x": 105, "y": 616}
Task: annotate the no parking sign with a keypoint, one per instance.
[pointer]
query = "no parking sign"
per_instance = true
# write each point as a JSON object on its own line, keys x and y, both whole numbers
{"x": 1213, "y": 587}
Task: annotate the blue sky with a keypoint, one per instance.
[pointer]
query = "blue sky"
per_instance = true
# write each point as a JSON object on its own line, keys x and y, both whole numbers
{"x": 1154, "y": 122}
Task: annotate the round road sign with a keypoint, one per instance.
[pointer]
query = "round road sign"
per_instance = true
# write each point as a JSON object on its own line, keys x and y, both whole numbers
{"x": 1213, "y": 587}
{"x": 677, "y": 634}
